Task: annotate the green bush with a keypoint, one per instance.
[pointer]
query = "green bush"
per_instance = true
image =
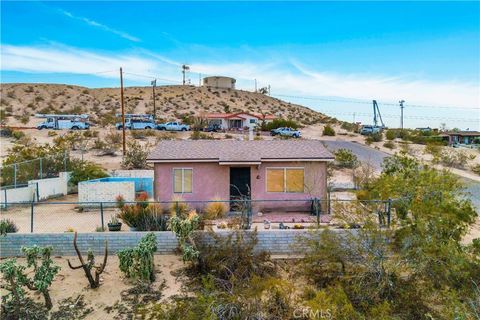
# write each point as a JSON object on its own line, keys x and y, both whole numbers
{"x": 374, "y": 137}
{"x": 328, "y": 130}
{"x": 476, "y": 169}
{"x": 345, "y": 158}
{"x": 17, "y": 135}
{"x": 85, "y": 170}
{"x": 391, "y": 134}
{"x": 389, "y": 145}
{"x": 7, "y": 226}
{"x": 279, "y": 123}
{"x": 137, "y": 262}
{"x": 198, "y": 135}
{"x": 135, "y": 156}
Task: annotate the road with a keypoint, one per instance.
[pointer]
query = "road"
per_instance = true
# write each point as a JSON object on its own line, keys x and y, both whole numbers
{"x": 364, "y": 153}
{"x": 375, "y": 158}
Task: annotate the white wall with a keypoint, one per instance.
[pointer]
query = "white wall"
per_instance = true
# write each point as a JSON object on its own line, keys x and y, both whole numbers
{"x": 23, "y": 194}
{"x": 105, "y": 191}
{"x": 51, "y": 187}
{"x": 133, "y": 173}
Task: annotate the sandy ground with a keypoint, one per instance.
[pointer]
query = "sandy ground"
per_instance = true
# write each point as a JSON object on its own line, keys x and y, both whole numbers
{"x": 71, "y": 283}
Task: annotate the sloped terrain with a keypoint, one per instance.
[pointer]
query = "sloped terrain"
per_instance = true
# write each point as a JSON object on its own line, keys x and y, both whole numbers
{"x": 21, "y": 101}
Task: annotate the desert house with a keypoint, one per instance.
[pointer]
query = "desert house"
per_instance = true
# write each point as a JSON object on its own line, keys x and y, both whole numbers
{"x": 236, "y": 121}
{"x": 461, "y": 137}
{"x": 276, "y": 173}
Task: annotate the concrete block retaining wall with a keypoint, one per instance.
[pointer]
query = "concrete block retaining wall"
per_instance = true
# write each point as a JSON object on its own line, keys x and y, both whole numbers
{"x": 105, "y": 191}
{"x": 275, "y": 241}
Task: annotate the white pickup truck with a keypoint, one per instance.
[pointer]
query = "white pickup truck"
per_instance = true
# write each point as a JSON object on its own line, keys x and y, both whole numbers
{"x": 173, "y": 126}
{"x": 286, "y": 132}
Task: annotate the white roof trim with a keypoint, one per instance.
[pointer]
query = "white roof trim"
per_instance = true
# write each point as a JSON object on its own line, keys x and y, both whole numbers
{"x": 240, "y": 162}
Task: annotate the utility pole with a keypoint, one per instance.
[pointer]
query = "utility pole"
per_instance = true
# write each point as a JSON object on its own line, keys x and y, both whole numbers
{"x": 154, "y": 84}
{"x": 255, "y": 85}
{"x": 401, "y": 110}
{"x": 354, "y": 118}
{"x": 185, "y": 68}
{"x": 123, "y": 110}
{"x": 199, "y": 79}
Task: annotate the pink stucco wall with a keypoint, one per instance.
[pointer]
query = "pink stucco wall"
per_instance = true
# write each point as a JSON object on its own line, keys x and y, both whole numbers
{"x": 211, "y": 180}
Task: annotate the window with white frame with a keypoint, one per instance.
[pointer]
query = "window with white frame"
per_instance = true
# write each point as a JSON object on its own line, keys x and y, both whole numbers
{"x": 182, "y": 180}
{"x": 290, "y": 180}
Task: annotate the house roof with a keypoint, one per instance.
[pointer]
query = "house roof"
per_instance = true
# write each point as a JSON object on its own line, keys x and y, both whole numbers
{"x": 233, "y": 151}
{"x": 238, "y": 115}
{"x": 461, "y": 133}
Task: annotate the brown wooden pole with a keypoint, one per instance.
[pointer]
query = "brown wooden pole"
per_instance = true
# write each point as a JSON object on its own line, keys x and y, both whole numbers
{"x": 123, "y": 110}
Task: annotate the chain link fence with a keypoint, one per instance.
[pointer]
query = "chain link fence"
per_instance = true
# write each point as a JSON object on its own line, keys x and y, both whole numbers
{"x": 53, "y": 217}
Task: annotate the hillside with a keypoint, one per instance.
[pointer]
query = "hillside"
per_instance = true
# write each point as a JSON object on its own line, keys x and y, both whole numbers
{"x": 20, "y": 101}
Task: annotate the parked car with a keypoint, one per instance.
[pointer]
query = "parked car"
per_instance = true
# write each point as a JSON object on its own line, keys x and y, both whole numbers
{"x": 286, "y": 132}
{"x": 368, "y": 129}
{"x": 173, "y": 126}
{"x": 213, "y": 128}
{"x": 137, "y": 124}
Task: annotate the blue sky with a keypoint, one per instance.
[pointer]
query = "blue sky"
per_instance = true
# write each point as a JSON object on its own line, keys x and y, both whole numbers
{"x": 427, "y": 53}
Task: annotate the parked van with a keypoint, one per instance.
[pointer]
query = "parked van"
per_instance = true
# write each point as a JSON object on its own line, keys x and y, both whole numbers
{"x": 369, "y": 129}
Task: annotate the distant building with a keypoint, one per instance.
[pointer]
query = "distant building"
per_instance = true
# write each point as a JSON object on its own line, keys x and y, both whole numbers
{"x": 461, "y": 137}
{"x": 219, "y": 82}
{"x": 229, "y": 121}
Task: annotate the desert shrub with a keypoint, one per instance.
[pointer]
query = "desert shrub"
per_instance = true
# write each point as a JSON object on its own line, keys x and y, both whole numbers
{"x": 215, "y": 209}
{"x": 328, "y": 131}
{"x": 232, "y": 259}
{"x": 85, "y": 170}
{"x": 135, "y": 156}
{"x": 345, "y": 158}
{"x": 6, "y": 132}
{"x": 453, "y": 158}
{"x": 7, "y": 226}
{"x": 391, "y": 134}
{"x": 351, "y": 127}
{"x": 279, "y": 123}
{"x": 198, "y": 135}
{"x": 137, "y": 262}
{"x": 143, "y": 216}
{"x": 52, "y": 133}
{"x": 374, "y": 137}
{"x": 476, "y": 169}
{"x": 17, "y": 135}
{"x": 179, "y": 207}
{"x": 389, "y": 144}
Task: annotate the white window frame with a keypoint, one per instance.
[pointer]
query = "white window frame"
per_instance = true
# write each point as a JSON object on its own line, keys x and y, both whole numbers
{"x": 284, "y": 179}
{"x": 183, "y": 180}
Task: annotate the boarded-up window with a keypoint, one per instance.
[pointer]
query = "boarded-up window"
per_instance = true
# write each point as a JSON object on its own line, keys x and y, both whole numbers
{"x": 285, "y": 180}
{"x": 294, "y": 180}
{"x": 182, "y": 180}
{"x": 275, "y": 180}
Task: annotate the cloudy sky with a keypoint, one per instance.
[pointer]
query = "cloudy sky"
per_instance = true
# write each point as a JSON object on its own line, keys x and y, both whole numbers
{"x": 334, "y": 57}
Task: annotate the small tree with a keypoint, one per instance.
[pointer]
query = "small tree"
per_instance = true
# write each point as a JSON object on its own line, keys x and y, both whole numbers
{"x": 345, "y": 158}
{"x": 135, "y": 156}
{"x": 85, "y": 170}
{"x": 44, "y": 273}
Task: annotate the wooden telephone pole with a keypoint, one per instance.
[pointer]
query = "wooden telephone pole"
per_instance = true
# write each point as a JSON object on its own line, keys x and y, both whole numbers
{"x": 123, "y": 110}
{"x": 154, "y": 84}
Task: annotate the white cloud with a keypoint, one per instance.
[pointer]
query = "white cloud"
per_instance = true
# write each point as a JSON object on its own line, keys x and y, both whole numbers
{"x": 101, "y": 26}
{"x": 284, "y": 77}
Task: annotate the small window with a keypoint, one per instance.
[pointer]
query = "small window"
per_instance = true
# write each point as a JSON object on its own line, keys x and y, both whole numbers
{"x": 291, "y": 180}
{"x": 253, "y": 120}
{"x": 182, "y": 180}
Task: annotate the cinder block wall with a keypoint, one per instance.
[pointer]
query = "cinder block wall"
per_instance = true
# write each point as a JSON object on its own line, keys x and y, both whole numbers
{"x": 275, "y": 241}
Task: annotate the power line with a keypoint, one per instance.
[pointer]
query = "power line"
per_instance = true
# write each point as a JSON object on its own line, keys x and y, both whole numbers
{"x": 359, "y": 101}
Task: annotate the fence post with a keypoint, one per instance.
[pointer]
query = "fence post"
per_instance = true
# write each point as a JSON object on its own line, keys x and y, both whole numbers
{"x": 31, "y": 216}
{"x": 329, "y": 204}
{"x": 41, "y": 168}
{"x": 65, "y": 161}
{"x": 177, "y": 209}
{"x": 38, "y": 192}
{"x": 15, "y": 174}
{"x": 101, "y": 216}
{"x": 389, "y": 208}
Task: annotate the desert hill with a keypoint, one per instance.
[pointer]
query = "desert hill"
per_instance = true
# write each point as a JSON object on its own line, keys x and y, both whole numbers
{"x": 20, "y": 101}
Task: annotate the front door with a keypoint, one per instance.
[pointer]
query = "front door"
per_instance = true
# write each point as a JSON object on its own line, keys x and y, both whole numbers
{"x": 239, "y": 183}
